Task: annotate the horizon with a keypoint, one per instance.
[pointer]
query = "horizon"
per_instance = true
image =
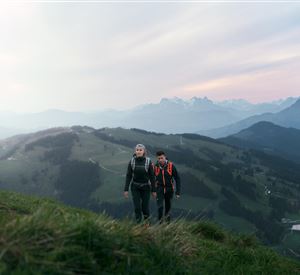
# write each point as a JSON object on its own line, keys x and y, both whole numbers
{"x": 98, "y": 56}
{"x": 277, "y": 100}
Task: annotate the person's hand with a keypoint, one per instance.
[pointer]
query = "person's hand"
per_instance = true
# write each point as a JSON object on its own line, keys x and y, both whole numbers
{"x": 154, "y": 195}
{"x": 177, "y": 196}
{"x": 126, "y": 194}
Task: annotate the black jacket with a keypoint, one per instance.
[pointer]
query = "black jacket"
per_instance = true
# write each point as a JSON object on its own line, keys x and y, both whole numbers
{"x": 165, "y": 181}
{"x": 140, "y": 176}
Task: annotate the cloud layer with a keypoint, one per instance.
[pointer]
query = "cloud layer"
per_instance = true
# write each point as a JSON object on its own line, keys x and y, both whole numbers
{"x": 77, "y": 56}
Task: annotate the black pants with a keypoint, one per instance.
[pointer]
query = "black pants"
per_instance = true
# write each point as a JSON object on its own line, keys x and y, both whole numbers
{"x": 141, "y": 200}
{"x": 164, "y": 201}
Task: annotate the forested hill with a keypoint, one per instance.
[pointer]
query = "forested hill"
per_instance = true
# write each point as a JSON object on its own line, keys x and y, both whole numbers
{"x": 270, "y": 138}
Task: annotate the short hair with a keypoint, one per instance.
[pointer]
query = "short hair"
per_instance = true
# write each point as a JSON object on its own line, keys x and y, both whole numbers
{"x": 160, "y": 153}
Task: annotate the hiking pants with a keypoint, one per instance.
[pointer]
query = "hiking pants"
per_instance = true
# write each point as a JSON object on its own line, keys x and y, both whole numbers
{"x": 164, "y": 201}
{"x": 141, "y": 201}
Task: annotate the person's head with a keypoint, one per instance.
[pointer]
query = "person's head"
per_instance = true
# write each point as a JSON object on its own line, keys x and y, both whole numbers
{"x": 161, "y": 157}
{"x": 140, "y": 150}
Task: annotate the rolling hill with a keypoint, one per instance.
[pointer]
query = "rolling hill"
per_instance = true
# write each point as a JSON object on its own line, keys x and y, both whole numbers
{"x": 42, "y": 236}
{"x": 288, "y": 117}
{"x": 270, "y": 138}
{"x": 243, "y": 190}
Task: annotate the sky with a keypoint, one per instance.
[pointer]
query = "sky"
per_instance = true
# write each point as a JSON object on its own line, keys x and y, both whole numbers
{"x": 92, "y": 56}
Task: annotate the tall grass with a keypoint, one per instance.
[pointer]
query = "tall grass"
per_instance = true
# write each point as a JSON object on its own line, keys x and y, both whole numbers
{"x": 44, "y": 237}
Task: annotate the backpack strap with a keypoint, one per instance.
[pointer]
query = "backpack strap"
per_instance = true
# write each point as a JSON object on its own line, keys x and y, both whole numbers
{"x": 170, "y": 172}
{"x": 156, "y": 170}
{"x": 170, "y": 168}
{"x": 147, "y": 164}
{"x": 132, "y": 163}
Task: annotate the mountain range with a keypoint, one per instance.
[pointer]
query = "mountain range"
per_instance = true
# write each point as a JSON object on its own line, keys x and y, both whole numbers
{"x": 173, "y": 115}
{"x": 7, "y": 132}
{"x": 288, "y": 117}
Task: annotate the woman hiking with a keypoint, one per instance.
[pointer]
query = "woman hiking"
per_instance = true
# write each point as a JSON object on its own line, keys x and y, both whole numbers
{"x": 140, "y": 175}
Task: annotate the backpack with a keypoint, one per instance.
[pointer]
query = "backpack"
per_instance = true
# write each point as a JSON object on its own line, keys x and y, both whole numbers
{"x": 147, "y": 164}
{"x": 169, "y": 169}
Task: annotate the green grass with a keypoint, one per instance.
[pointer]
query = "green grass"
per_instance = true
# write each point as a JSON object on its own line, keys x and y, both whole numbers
{"x": 41, "y": 236}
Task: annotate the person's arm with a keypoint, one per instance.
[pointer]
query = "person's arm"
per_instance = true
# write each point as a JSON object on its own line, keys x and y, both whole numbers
{"x": 152, "y": 177}
{"x": 177, "y": 180}
{"x": 128, "y": 177}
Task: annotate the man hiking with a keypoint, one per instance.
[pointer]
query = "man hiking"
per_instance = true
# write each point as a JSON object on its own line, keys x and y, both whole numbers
{"x": 140, "y": 176}
{"x": 165, "y": 175}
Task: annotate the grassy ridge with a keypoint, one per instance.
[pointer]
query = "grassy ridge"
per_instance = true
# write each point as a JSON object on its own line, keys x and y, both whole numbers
{"x": 40, "y": 236}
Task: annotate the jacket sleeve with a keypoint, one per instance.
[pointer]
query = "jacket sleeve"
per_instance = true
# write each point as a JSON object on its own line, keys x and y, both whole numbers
{"x": 128, "y": 177}
{"x": 177, "y": 180}
{"x": 152, "y": 177}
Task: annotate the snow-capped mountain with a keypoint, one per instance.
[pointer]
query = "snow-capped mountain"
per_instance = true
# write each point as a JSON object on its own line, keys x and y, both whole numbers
{"x": 170, "y": 115}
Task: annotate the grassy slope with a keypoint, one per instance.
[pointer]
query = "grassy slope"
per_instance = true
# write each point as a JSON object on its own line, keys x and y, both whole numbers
{"x": 118, "y": 161}
{"x": 114, "y": 158}
{"x": 41, "y": 236}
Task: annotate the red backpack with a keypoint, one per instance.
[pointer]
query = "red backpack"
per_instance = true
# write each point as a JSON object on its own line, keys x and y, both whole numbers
{"x": 169, "y": 170}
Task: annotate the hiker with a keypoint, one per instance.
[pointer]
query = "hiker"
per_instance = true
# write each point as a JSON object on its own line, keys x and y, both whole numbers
{"x": 165, "y": 175}
{"x": 140, "y": 176}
